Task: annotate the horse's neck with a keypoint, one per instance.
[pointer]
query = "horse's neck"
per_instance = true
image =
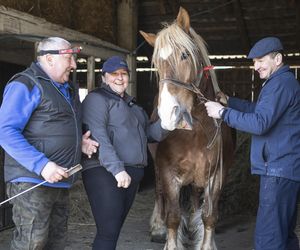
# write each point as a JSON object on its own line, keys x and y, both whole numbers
{"x": 206, "y": 88}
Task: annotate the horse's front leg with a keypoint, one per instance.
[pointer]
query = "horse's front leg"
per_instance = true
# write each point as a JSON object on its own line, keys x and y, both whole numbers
{"x": 172, "y": 214}
{"x": 210, "y": 213}
{"x": 157, "y": 223}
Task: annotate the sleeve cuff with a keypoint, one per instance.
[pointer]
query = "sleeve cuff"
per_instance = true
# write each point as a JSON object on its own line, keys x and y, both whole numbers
{"x": 223, "y": 112}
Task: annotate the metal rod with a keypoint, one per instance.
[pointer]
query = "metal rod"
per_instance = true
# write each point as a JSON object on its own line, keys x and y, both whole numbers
{"x": 71, "y": 171}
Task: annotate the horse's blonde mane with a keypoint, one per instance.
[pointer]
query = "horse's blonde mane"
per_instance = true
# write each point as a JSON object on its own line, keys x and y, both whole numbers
{"x": 193, "y": 44}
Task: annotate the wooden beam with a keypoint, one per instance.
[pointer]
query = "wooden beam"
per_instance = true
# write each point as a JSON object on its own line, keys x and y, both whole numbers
{"x": 23, "y": 24}
{"x": 174, "y": 6}
{"x": 90, "y": 73}
{"x": 162, "y": 7}
{"x": 127, "y": 32}
{"x": 242, "y": 28}
{"x": 297, "y": 3}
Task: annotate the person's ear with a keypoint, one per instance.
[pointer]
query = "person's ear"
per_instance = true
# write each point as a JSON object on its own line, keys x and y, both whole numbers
{"x": 103, "y": 77}
{"x": 278, "y": 59}
{"x": 49, "y": 59}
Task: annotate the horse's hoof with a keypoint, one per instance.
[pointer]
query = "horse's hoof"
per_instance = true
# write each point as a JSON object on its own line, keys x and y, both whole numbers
{"x": 158, "y": 238}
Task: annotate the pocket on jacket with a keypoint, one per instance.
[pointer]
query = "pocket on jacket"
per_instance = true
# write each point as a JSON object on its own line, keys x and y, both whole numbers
{"x": 265, "y": 153}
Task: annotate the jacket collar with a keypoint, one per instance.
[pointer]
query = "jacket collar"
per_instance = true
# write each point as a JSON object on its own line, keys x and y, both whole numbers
{"x": 38, "y": 71}
{"x": 127, "y": 98}
{"x": 281, "y": 70}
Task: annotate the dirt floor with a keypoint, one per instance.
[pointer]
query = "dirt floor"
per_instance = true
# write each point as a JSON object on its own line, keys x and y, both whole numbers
{"x": 234, "y": 233}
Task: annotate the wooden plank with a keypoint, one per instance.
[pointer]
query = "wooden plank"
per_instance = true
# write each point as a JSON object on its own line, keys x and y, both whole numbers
{"x": 241, "y": 25}
{"x": 90, "y": 73}
{"x": 127, "y": 31}
{"x": 16, "y": 22}
{"x": 297, "y": 3}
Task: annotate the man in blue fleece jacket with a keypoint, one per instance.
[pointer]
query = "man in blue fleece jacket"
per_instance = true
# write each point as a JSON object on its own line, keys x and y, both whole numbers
{"x": 274, "y": 122}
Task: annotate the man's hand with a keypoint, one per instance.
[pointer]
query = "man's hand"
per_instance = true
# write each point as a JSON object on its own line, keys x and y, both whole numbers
{"x": 53, "y": 173}
{"x": 88, "y": 146}
{"x": 123, "y": 179}
{"x": 214, "y": 109}
{"x": 222, "y": 98}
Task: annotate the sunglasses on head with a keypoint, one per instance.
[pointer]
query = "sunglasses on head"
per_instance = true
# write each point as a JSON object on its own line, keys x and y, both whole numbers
{"x": 75, "y": 50}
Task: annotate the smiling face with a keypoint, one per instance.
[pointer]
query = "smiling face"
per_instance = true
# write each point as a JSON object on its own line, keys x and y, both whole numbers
{"x": 57, "y": 66}
{"x": 117, "y": 80}
{"x": 62, "y": 67}
{"x": 267, "y": 64}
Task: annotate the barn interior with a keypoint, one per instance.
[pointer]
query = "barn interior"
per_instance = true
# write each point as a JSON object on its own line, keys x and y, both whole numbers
{"x": 104, "y": 28}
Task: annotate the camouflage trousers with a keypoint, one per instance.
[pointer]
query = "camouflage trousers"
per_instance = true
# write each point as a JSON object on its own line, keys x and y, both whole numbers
{"x": 40, "y": 217}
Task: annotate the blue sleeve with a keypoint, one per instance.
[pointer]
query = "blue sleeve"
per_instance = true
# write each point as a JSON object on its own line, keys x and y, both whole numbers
{"x": 155, "y": 132}
{"x": 18, "y": 104}
{"x": 241, "y": 105}
{"x": 272, "y": 103}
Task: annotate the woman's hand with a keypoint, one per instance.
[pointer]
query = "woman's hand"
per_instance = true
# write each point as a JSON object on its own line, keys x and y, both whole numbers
{"x": 123, "y": 179}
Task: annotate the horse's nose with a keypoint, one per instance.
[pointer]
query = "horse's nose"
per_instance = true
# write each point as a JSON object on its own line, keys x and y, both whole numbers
{"x": 176, "y": 111}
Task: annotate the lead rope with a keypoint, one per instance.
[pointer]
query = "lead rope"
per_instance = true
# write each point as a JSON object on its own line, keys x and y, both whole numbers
{"x": 219, "y": 163}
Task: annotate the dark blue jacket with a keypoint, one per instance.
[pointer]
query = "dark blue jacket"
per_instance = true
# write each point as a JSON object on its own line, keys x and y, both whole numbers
{"x": 274, "y": 122}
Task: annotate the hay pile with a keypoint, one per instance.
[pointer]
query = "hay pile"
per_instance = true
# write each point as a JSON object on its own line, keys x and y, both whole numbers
{"x": 93, "y": 17}
{"x": 80, "y": 211}
{"x": 240, "y": 194}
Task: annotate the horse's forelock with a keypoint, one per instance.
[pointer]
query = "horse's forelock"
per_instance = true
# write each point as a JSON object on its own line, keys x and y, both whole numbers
{"x": 179, "y": 41}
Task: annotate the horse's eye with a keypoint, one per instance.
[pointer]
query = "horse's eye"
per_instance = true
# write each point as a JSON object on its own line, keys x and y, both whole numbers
{"x": 184, "y": 55}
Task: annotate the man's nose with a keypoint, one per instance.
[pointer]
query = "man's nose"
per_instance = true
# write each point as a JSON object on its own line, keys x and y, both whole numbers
{"x": 256, "y": 66}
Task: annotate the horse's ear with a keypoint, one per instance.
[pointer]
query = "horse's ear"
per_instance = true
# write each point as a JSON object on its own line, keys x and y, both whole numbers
{"x": 149, "y": 37}
{"x": 183, "y": 19}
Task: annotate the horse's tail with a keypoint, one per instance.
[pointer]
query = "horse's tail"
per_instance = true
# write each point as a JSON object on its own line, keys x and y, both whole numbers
{"x": 190, "y": 231}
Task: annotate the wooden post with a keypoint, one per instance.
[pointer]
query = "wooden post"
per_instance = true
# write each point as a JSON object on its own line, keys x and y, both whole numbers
{"x": 126, "y": 36}
{"x": 90, "y": 73}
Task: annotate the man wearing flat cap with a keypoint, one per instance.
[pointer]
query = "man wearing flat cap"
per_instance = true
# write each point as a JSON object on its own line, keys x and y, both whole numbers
{"x": 274, "y": 122}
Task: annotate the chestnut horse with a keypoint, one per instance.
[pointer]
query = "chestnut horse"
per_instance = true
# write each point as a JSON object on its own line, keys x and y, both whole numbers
{"x": 199, "y": 150}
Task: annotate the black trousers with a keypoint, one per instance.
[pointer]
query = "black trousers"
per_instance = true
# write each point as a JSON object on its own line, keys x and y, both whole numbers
{"x": 110, "y": 204}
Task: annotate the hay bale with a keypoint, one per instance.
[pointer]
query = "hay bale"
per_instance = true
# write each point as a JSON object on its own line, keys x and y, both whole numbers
{"x": 80, "y": 210}
{"x": 93, "y": 17}
{"x": 97, "y": 18}
{"x": 240, "y": 194}
{"x": 55, "y": 11}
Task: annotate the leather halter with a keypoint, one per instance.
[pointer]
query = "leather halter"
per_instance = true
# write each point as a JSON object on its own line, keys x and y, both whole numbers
{"x": 193, "y": 87}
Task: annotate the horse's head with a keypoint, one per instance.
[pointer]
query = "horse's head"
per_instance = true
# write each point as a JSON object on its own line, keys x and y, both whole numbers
{"x": 179, "y": 56}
